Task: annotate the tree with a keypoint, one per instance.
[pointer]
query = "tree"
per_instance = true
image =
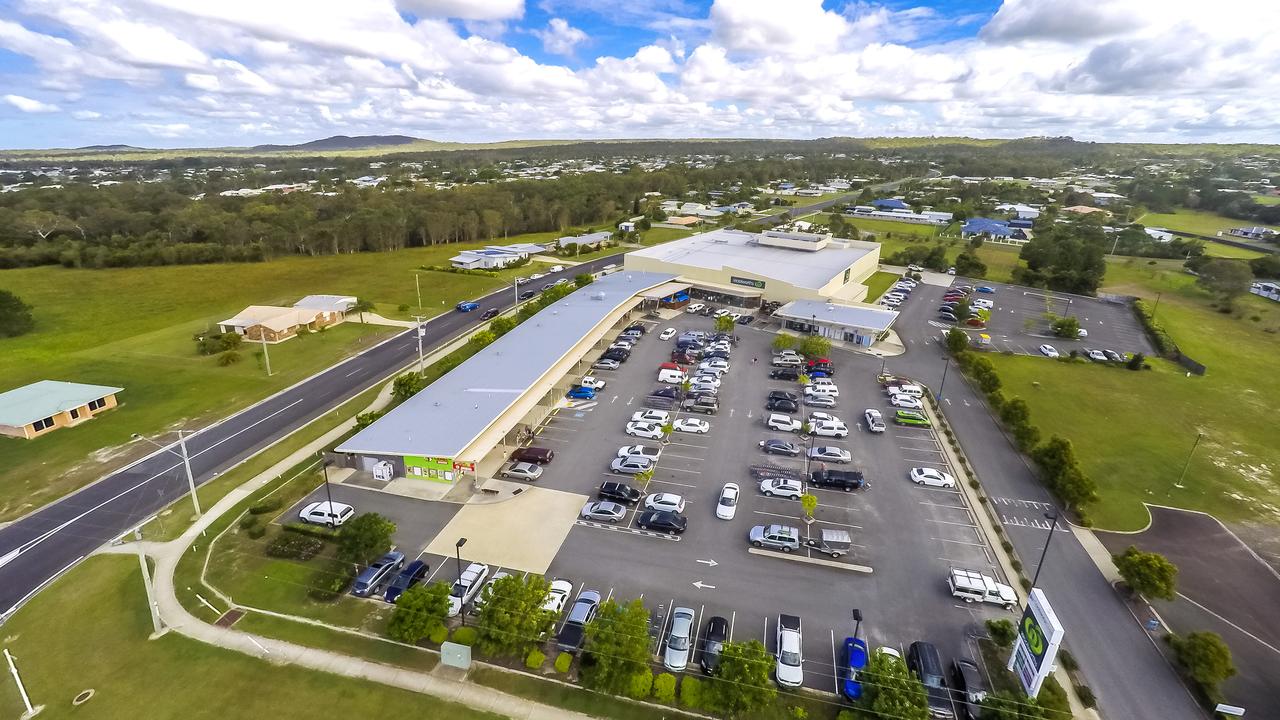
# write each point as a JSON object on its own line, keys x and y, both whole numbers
{"x": 406, "y": 386}
{"x": 1015, "y": 413}
{"x": 1267, "y": 266}
{"x": 1005, "y": 705}
{"x": 1136, "y": 361}
{"x": 617, "y": 647}
{"x": 1206, "y": 658}
{"x": 1057, "y": 460}
{"x": 512, "y": 617}
{"x": 364, "y": 537}
{"x": 782, "y": 341}
{"x": 502, "y": 325}
{"x": 741, "y": 683}
{"x": 1066, "y": 327}
{"x": 815, "y": 346}
{"x": 1002, "y": 632}
{"x": 420, "y": 610}
{"x": 724, "y": 324}
{"x": 889, "y": 690}
{"x": 957, "y": 341}
{"x": 809, "y": 502}
{"x": 583, "y": 279}
{"x": 362, "y": 306}
{"x": 1228, "y": 279}
{"x": 15, "y": 315}
{"x": 1148, "y": 573}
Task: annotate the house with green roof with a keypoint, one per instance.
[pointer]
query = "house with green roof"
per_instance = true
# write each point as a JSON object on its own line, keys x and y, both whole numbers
{"x": 41, "y": 407}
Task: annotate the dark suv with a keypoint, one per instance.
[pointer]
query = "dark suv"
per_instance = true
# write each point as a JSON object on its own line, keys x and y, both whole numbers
{"x": 619, "y": 492}
{"x": 924, "y": 661}
{"x": 784, "y": 374}
{"x": 538, "y": 455}
{"x": 781, "y": 404}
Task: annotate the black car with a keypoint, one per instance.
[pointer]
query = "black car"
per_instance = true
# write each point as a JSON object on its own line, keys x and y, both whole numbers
{"x": 746, "y": 319}
{"x": 924, "y": 661}
{"x": 489, "y": 314}
{"x": 618, "y": 491}
{"x": 970, "y": 687}
{"x": 785, "y": 374}
{"x": 947, "y": 316}
{"x": 617, "y": 354}
{"x": 528, "y": 294}
{"x": 638, "y": 328}
{"x": 780, "y": 447}
{"x": 775, "y": 404}
{"x": 662, "y": 521}
{"x": 410, "y": 576}
{"x": 783, "y": 394}
{"x": 716, "y": 354}
{"x": 667, "y": 391}
{"x": 713, "y": 637}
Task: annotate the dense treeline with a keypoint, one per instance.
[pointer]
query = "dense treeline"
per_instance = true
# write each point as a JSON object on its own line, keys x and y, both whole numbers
{"x": 1202, "y": 190}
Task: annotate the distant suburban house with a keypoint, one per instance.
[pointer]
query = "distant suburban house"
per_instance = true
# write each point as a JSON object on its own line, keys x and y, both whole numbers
{"x": 1159, "y": 234}
{"x": 1269, "y": 289}
{"x": 1253, "y": 233}
{"x": 889, "y": 204}
{"x": 1021, "y": 212}
{"x": 335, "y": 305}
{"x": 1082, "y": 210}
{"x": 40, "y": 407}
{"x": 1107, "y": 198}
{"x": 997, "y": 231}
{"x": 277, "y": 324}
{"x": 686, "y": 221}
{"x": 627, "y": 226}
{"x": 492, "y": 257}
{"x": 590, "y": 241}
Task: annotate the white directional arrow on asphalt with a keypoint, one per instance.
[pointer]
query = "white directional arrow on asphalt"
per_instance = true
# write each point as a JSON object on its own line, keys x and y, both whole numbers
{"x": 703, "y": 586}
{"x": 711, "y": 563}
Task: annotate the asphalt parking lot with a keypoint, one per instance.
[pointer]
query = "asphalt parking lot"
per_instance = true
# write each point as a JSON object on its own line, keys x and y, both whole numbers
{"x": 417, "y": 521}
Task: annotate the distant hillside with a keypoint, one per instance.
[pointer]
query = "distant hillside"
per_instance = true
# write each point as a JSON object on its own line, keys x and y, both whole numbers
{"x": 342, "y": 142}
{"x": 110, "y": 148}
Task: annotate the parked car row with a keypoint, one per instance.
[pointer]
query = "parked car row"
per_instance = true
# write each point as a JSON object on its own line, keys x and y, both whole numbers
{"x": 899, "y": 293}
{"x": 742, "y": 318}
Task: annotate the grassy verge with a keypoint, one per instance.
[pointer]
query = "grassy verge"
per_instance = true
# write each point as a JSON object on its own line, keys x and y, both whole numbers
{"x": 1198, "y": 222}
{"x": 1230, "y": 251}
{"x": 381, "y": 651}
{"x": 878, "y": 283}
{"x": 97, "y": 614}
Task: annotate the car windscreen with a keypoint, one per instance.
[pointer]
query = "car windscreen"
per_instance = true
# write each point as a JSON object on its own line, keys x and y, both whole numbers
{"x": 728, "y": 500}
{"x": 679, "y": 643}
{"x": 458, "y": 590}
{"x": 790, "y": 657}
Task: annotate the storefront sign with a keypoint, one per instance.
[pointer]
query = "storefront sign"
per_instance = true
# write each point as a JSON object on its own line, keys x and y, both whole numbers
{"x": 748, "y": 282}
{"x": 1039, "y": 634}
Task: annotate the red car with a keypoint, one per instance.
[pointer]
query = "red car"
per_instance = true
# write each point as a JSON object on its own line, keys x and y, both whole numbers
{"x": 975, "y": 322}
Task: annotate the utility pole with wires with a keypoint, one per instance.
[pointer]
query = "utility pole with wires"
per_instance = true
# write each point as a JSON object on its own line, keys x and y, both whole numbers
{"x": 418, "y": 286}
{"x": 420, "y": 331}
{"x": 22, "y": 689}
{"x": 266, "y": 357}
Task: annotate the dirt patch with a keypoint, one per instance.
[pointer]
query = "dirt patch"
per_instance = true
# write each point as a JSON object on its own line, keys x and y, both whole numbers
{"x": 229, "y": 618}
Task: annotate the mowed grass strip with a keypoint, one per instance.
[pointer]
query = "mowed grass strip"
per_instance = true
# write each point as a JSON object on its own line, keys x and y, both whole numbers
{"x": 1199, "y": 222}
{"x": 878, "y": 283}
{"x": 89, "y": 630}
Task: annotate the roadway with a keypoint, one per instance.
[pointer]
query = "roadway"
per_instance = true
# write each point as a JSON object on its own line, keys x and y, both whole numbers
{"x": 39, "y": 546}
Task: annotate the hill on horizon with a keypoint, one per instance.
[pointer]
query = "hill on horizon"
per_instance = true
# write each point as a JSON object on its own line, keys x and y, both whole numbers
{"x": 342, "y": 142}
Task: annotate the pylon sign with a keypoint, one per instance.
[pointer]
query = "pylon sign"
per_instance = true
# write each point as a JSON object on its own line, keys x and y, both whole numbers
{"x": 1039, "y": 635}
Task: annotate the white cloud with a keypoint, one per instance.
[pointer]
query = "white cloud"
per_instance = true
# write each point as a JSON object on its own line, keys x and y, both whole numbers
{"x": 28, "y": 105}
{"x": 769, "y": 27}
{"x": 167, "y": 130}
{"x": 465, "y": 9}
{"x": 86, "y": 115}
{"x": 559, "y": 37}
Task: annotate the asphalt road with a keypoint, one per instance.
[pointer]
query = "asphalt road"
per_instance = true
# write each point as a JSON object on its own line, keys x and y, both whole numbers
{"x": 795, "y": 212}
{"x": 1128, "y": 675}
{"x": 37, "y": 547}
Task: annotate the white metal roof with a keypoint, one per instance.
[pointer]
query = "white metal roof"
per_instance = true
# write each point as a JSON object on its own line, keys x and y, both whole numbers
{"x": 865, "y": 317}
{"x": 47, "y": 398}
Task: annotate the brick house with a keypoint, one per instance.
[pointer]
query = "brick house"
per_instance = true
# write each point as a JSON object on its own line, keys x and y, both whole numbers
{"x": 41, "y": 407}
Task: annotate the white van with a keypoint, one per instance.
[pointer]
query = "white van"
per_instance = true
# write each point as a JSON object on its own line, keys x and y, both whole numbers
{"x": 674, "y": 377}
{"x": 913, "y": 390}
{"x": 790, "y": 361}
{"x": 556, "y": 268}
{"x": 830, "y": 390}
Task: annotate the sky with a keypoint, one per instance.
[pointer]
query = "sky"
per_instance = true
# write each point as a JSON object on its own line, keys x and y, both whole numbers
{"x": 202, "y": 73}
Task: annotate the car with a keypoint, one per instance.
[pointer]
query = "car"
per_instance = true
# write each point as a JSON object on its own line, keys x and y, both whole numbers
{"x": 490, "y": 314}
{"x": 727, "y": 504}
{"x": 827, "y": 453}
{"x": 774, "y": 404}
{"x": 667, "y": 392}
{"x": 592, "y": 382}
{"x": 782, "y": 394}
{"x": 785, "y": 423}
{"x": 925, "y": 663}
{"x": 603, "y": 511}
{"x": 875, "y": 421}
{"x": 691, "y": 425}
{"x": 746, "y": 319}
{"x": 717, "y": 363}
{"x": 466, "y": 587}
{"x": 705, "y": 381}
{"x": 630, "y": 465}
{"x": 1048, "y": 350}
{"x": 486, "y": 591}
{"x": 619, "y": 492}
{"x": 679, "y": 640}
{"x": 574, "y": 630}
{"x": 645, "y": 430}
{"x": 607, "y": 364}
{"x": 906, "y": 402}
{"x": 986, "y": 289}
{"x": 1113, "y": 356}
{"x": 667, "y": 334}
{"x": 782, "y": 487}
{"x": 886, "y": 653}
{"x": 932, "y": 477}
{"x": 831, "y": 390}
{"x": 855, "y": 661}
{"x": 617, "y": 354}
{"x": 951, "y": 270}
{"x": 975, "y": 322}
{"x": 332, "y": 514}
{"x": 970, "y": 687}
{"x": 537, "y": 276}
{"x": 651, "y": 416}
{"x": 963, "y": 288}
{"x": 1095, "y": 355}
{"x": 982, "y": 303}
{"x": 662, "y": 521}
{"x": 695, "y": 307}
{"x": 911, "y": 417}
{"x": 890, "y": 302}
{"x": 467, "y": 306}
{"x": 915, "y": 268}
{"x": 816, "y": 417}
{"x": 411, "y": 575}
{"x": 1082, "y": 333}
{"x": 714, "y": 636}
{"x": 830, "y": 428}
{"x": 775, "y": 537}
{"x": 949, "y": 317}
{"x": 647, "y": 452}
{"x": 533, "y": 454}
{"x": 557, "y": 596}
{"x": 682, "y": 358}
{"x": 705, "y": 369}
{"x": 788, "y": 670}
{"x": 780, "y": 447}
{"x": 581, "y": 393}
{"x": 822, "y": 401}
{"x": 370, "y": 578}
{"x": 666, "y": 502}
{"x": 527, "y": 294}
{"x": 523, "y": 471}
{"x": 622, "y": 345}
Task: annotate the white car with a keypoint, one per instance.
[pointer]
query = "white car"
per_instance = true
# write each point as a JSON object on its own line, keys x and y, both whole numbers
{"x": 827, "y": 428}
{"x": 716, "y": 363}
{"x": 789, "y": 668}
{"x": 785, "y": 423}
{"x": 875, "y": 421}
{"x": 1082, "y": 333}
{"x": 727, "y": 505}
{"x": 828, "y": 453}
{"x": 721, "y": 312}
{"x": 828, "y": 390}
{"x": 523, "y": 471}
{"x": 651, "y": 416}
{"x": 622, "y": 345}
{"x": 326, "y": 513}
{"x": 647, "y": 431}
{"x": 1049, "y": 351}
{"x": 630, "y": 465}
{"x": 679, "y": 640}
{"x": 702, "y": 387}
{"x": 667, "y": 334}
{"x": 822, "y": 417}
{"x": 669, "y": 502}
{"x": 486, "y": 591}
{"x": 781, "y": 487}
{"x": 691, "y": 425}
{"x": 694, "y": 307}
{"x": 906, "y": 402}
{"x": 709, "y": 379}
{"x": 823, "y": 401}
{"x": 1096, "y": 355}
{"x": 592, "y": 382}
{"x": 557, "y": 595}
{"x": 466, "y": 587}
{"x": 647, "y": 452}
{"x": 820, "y": 381}
{"x": 705, "y": 369}
{"x": 932, "y": 478}
{"x": 603, "y": 511}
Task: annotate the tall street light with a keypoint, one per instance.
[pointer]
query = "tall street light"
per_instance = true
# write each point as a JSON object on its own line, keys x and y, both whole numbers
{"x": 186, "y": 462}
{"x": 325, "y": 467}
{"x": 457, "y": 549}
{"x": 946, "y": 365}
{"x": 857, "y": 621}
{"x": 1052, "y": 517}
{"x": 1186, "y": 465}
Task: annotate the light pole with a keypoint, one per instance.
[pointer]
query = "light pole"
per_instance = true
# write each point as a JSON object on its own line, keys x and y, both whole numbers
{"x": 946, "y": 365}
{"x": 457, "y": 549}
{"x": 186, "y": 463}
{"x": 1156, "y": 308}
{"x": 325, "y": 467}
{"x": 22, "y": 689}
{"x": 419, "y": 331}
{"x": 1185, "y": 466}
{"x": 1052, "y": 517}
{"x": 857, "y": 621}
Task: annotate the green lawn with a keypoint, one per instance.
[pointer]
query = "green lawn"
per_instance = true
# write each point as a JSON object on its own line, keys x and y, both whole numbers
{"x": 1267, "y": 199}
{"x": 1198, "y": 222}
{"x": 1230, "y": 251}
{"x": 878, "y": 283}
{"x": 90, "y": 631}
{"x": 1133, "y": 430}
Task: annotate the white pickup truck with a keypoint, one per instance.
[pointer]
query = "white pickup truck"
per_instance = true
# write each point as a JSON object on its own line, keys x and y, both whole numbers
{"x": 973, "y": 586}
{"x": 592, "y": 382}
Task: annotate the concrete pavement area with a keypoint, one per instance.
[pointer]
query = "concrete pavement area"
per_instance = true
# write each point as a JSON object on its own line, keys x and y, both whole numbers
{"x": 523, "y": 533}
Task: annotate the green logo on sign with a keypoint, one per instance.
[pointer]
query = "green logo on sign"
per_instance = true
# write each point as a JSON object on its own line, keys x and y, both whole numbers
{"x": 1035, "y": 638}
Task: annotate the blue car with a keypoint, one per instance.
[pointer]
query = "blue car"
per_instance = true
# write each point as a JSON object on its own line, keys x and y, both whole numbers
{"x": 408, "y": 577}
{"x": 582, "y": 393}
{"x": 855, "y": 661}
{"x": 467, "y": 306}
{"x": 988, "y": 290}
{"x": 369, "y": 579}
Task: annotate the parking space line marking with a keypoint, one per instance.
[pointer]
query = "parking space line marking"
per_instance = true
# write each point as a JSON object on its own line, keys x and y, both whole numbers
{"x": 953, "y": 507}
{"x": 684, "y": 457}
{"x": 948, "y": 522}
{"x": 852, "y": 567}
{"x": 609, "y": 596}
{"x": 691, "y": 472}
{"x": 673, "y": 482}
{"x": 766, "y": 632}
{"x": 961, "y": 542}
{"x": 835, "y": 662}
{"x": 733, "y": 615}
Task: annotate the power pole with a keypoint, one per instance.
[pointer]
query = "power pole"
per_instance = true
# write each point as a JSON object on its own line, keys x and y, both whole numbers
{"x": 418, "y": 286}
{"x": 265, "y": 356}
{"x": 146, "y": 583}
{"x": 22, "y": 689}
{"x": 420, "y": 331}
{"x": 186, "y": 463}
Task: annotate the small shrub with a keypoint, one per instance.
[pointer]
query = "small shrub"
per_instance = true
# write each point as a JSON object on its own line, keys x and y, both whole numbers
{"x": 294, "y": 547}
{"x": 982, "y": 499}
{"x": 1087, "y": 697}
{"x": 974, "y": 484}
{"x": 798, "y": 712}
{"x": 465, "y": 635}
{"x": 1008, "y": 546}
{"x": 316, "y": 531}
{"x": 257, "y": 531}
{"x": 691, "y": 692}
{"x": 1068, "y": 661}
{"x": 1002, "y": 632}
{"x": 534, "y": 659}
{"x": 329, "y": 581}
{"x": 1025, "y": 583}
{"x": 438, "y": 635}
{"x": 641, "y": 684}
{"x": 403, "y": 307}
{"x": 248, "y": 521}
{"x": 1016, "y": 564}
{"x": 563, "y": 660}
{"x": 230, "y": 357}
{"x": 269, "y": 505}
{"x": 664, "y": 688}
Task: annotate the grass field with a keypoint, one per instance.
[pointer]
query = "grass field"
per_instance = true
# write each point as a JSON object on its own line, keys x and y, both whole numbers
{"x": 1198, "y": 222}
{"x": 878, "y": 283}
{"x": 1230, "y": 251}
{"x": 1267, "y": 199}
{"x": 1134, "y": 430}
{"x": 90, "y": 631}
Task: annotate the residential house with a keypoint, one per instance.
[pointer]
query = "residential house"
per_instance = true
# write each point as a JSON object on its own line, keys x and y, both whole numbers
{"x": 336, "y": 307}
{"x": 1082, "y": 210}
{"x": 1253, "y": 233}
{"x": 627, "y": 226}
{"x": 684, "y": 221}
{"x": 889, "y": 204}
{"x": 1269, "y": 289}
{"x": 492, "y": 257}
{"x": 1107, "y": 198}
{"x": 1000, "y": 232}
{"x": 276, "y": 324}
{"x": 1022, "y": 212}
{"x": 38, "y": 408}
{"x": 591, "y": 241}
{"x": 1159, "y": 234}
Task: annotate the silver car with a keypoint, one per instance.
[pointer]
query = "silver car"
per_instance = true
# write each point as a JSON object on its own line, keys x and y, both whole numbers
{"x": 604, "y": 511}
{"x": 679, "y": 640}
{"x": 775, "y": 537}
{"x": 630, "y": 465}
{"x": 827, "y": 453}
{"x": 523, "y": 471}
{"x": 822, "y": 401}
